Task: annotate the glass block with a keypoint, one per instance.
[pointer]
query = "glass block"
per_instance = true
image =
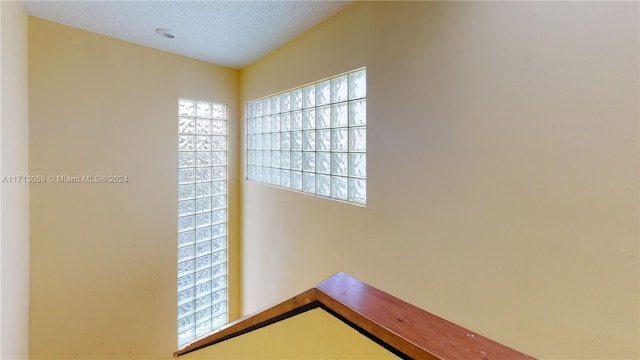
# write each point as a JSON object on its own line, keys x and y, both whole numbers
{"x": 186, "y": 191}
{"x": 218, "y": 270}
{"x": 203, "y": 109}
{"x": 186, "y": 337}
{"x": 285, "y": 141}
{"x": 323, "y": 117}
{"x": 296, "y": 99}
{"x": 203, "y": 316}
{"x": 186, "y": 323}
{"x": 219, "y": 308}
{"x": 185, "y": 295}
{"x": 266, "y": 141}
{"x": 218, "y": 127}
{"x": 296, "y": 180}
{"x": 251, "y": 126}
{"x": 323, "y": 185}
{"x": 203, "y": 248}
{"x": 323, "y": 140}
{"x": 275, "y": 176}
{"x": 339, "y": 164}
{"x": 218, "y": 111}
{"x": 203, "y": 189}
{"x": 285, "y": 122}
{"x": 218, "y": 216}
{"x": 309, "y": 161}
{"x": 186, "y": 142}
{"x": 258, "y": 142}
{"x": 266, "y": 124}
{"x": 285, "y": 102}
{"x": 203, "y": 302}
{"x": 218, "y": 142}
{"x": 296, "y": 160}
{"x": 266, "y": 175}
{"x": 251, "y": 172}
{"x": 203, "y": 289}
{"x": 309, "y": 96}
{"x": 186, "y": 126}
{"x": 257, "y": 108}
{"x": 308, "y": 119}
{"x": 296, "y": 120}
{"x": 339, "y": 140}
{"x": 185, "y": 281}
{"x": 339, "y": 115}
{"x": 296, "y": 140}
{"x": 186, "y": 176}
{"x": 219, "y": 282}
{"x": 203, "y": 328}
{"x": 186, "y": 108}
{"x": 218, "y": 187}
{"x": 203, "y": 127}
{"x": 219, "y": 158}
{"x": 275, "y": 123}
{"x": 266, "y": 106}
{"x": 203, "y": 219}
{"x": 285, "y": 159}
{"x": 203, "y": 204}
{"x": 203, "y": 159}
{"x": 219, "y": 243}
{"x": 339, "y": 89}
{"x": 358, "y": 112}
{"x": 218, "y": 230}
{"x": 219, "y": 202}
{"x": 202, "y": 276}
{"x": 186, "y": 159}
{"x": 339, "y": 187}
{"x": 186, "y": 207}
{"x": 203, "y": 234}
{"x": 358, "y": 139}
{"x": 218, "y": 257}
{"x": 275, "y": 141}
{"x": 275, "y": 104}
{"x": 309, "y": 140}
{"x": 218, "y": 173}
{"x": 185, "y": 267}
{"x": 186, "y": 253}
{"x": 285, "y": 178}
{"x": 203, "y": 262}
{"x": 203, "y": 143}
{"x": 275, "y": 159}
{"x": 309, "y": 182}
{"x": 323, "y": 162}
{"x": 258, "y": 125}
{"x": 203, "y": 174}
{"x": 358, "y": 165}
{"x": 258, "y": 173}
{"x": 358, "y": 84}
{"x": 186, "y": 238}
{"x": 218, "y": 321}
{"x": 251, "y": 110}
{"x": 266, "y": 158}
{"x": 323, "y": 93}
{"x": 358, "y": 190}
{"x": 219, "y": 295}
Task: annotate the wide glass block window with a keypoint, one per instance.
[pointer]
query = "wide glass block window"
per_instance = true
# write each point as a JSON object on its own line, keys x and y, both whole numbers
{"x": 202, "y": 218}
{"x": 313, "y": 138}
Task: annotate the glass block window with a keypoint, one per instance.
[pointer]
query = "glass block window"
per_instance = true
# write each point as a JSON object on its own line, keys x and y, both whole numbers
{"x": 313, "y": 138}
{"x": 202, "y": 218}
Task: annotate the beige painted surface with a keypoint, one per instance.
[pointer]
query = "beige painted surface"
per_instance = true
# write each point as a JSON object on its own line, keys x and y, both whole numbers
{"x": 502, "y": 171}
{"x": 14, "y": 161}
{"x": 314, "y": 334}
{"x": 103, "y": 274}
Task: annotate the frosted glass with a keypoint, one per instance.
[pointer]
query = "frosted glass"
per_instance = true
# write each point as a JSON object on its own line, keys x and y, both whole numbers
{"x": 219, "y": 158}
{"x": 185, "y": 238}
{"x": 186, "y": 176}
{"x": 218, "y": 187}
{"x": 339, "y": 140}
{"x": 309, "y": 161}
{"x": 285, "y": 141}
{"x": 323, "y": 140}
{"x": 203, "y": 234}
{"x": 309, "y": 96}
{"x": 296, "y": 160}
{"x": 358, "y": 190}
{"x": 275, "y": 141}
{"x": 218, "y": 127}
{"x": 323, "y": 162}
{"x": 203, "y": 143}
{"x": 187, "y": 308}
{"x": 218, "y": 230}
{"x": 296, "y": 120}
{"x": 186, "y": 159}
{"x": 285, "y": 178}
{"x": 308, "y": 119}
{"x": 323, "y": 117}
{"x": 219, "y": 282}
{"x": 296, "y": 180}
{"x": 296, "y": 99}
{"x": 285, "y": 102}
{"x": 219, "y": 142}
{"x": 308, "y": 182}
{"x": 339, "y": 115}
{"x": 285, "y": 160}
{"x": 266, "y": 158}
{"x": 339, "y": 89}
{"x": 186, "y": 143}
{"x": 186, "y": 323}
{"x": 323, "y": 93}
{"x": 309, "y": 140}
{"x": 203, "y": 315}
{"x": 186, "y": 191}
{"x": 358, "y": 112}
{"x": 339, "y": 187}
{"x": 285, "y": 122}
{"x": 185, "y": 281}
{"x": 275, "y": 176}
{"x": 358, "y": 165}
{"x": 203, "y": 174}
{"x": 186, "y": 295}
{"x": 204, "y": 328}
{"x": 203, "y": 262}
{"x": 218, "y": 202}
{"x": 203, "y": 248}
{"x": 275, "y": 123}
{"x": 185, "y": 267}
{"x": 203, "y": 219}
{"x": 266, "y": 141}
{"x": 296, "y": 140}
{"x": 218, "y": 243}
{"x": 218, "y": 173}
{"x": 266, "y": 124}
{"x": 339, "y": 164}
{"x": 203, "y": 204}
{"x": 219, "y": 111}
{"x": 219, "y": 216}
{"x": 266, "y": 106}
{"x": 186, "y": 207}
{"x": 275, "y": 105}
{"x": 203, "y": 110}
{"x": 186, "y": 252}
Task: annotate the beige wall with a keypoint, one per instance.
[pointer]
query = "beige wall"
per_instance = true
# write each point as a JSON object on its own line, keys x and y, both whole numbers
{"x": 14, "y": 161}
{"x": 311, "y": 335}
{"x": 502, "y": 171}
{"x": 103, "y": 275}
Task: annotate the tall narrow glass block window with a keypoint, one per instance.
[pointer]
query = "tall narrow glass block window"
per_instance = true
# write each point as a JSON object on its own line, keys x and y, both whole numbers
{"x": 202, "y": 218}
{"x": 313, "y": 138}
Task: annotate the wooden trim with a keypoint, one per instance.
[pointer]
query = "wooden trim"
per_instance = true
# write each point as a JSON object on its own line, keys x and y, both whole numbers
{"x": 390, "y": 321}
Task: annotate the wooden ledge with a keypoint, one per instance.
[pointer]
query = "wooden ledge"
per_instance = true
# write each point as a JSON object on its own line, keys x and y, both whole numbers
{"x": 406, "y": 330}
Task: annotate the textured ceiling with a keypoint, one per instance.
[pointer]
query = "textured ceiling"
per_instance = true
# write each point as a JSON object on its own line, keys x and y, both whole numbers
{"x": 228, "y": 33}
